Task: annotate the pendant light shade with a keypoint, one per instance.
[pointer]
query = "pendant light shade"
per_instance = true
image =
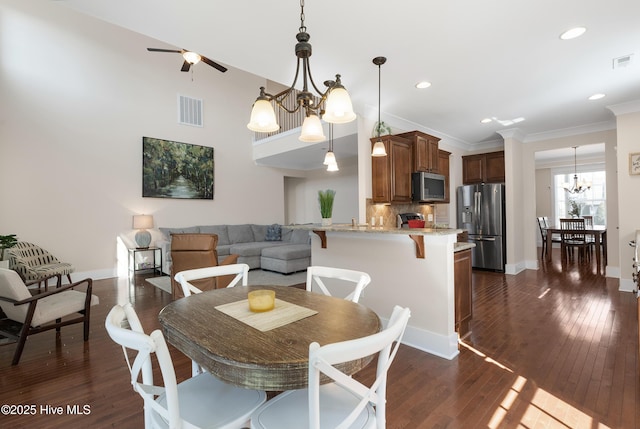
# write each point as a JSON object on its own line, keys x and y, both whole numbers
{"x": 378, "y": 147}
{"x": 263, "y": 118}
{"x": 339, "y": 109}
{"x": 329, "y": 158}
{"x": 312, "y": 130}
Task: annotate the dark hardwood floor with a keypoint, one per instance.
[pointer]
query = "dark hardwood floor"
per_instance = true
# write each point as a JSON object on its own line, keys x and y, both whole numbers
{"x": 550, "y": 348}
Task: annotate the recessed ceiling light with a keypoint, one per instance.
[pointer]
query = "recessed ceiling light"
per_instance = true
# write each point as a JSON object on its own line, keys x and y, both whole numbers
{"x": 596, "y": 97}
{"x": 423, "y": 84}
{"x": 486, "y": 120}
{"x": 573, "y": 33}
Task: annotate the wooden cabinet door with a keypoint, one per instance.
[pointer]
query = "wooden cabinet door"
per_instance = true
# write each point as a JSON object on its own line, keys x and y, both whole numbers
{"x": 494, "y": 171}
{"x": 472, "y": 169}
{"x": 462, "y": 273}
{"x": 380, "y": 176}
{"x": 425, "y": 151}
{"x": 401, "y": 163}
{"x": 443, "y": 168}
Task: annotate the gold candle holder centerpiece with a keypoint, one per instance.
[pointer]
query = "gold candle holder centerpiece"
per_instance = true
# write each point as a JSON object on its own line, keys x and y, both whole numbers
{"x": 261, "y": 300}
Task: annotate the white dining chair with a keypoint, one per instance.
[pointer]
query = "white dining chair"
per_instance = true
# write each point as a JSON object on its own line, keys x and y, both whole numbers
{"x": 316, "y": 274}
{"x": 344, "y": 403}
{"x": 202, "y": 401}
{"x": 241, "y": 272}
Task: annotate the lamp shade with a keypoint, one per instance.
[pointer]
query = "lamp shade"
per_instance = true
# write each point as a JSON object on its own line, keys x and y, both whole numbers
{"x": 263, "y": 118}
{"x": 142, "y": 221}
{"x": 379, "y": 149}
{"x": 338, "y": 109}
{"x": 333, "y": 167}
{"x": 330, "y": 158}
{"x": 312, "y": 130}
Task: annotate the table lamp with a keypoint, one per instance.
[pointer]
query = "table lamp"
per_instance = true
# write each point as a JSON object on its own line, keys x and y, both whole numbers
{"x": 143, "y": 237}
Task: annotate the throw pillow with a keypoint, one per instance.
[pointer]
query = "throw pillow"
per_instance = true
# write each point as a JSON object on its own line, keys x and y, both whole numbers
{"x": 273, "y": 233}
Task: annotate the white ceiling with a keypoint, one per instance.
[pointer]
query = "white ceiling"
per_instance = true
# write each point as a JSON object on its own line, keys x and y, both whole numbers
{"x": 497, "y": 58}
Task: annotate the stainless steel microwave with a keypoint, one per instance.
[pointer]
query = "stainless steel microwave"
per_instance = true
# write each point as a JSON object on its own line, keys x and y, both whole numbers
{"x": 427, "y": 187}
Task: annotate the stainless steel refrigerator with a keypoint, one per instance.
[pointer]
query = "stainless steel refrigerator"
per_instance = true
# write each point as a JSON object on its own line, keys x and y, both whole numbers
{"x": 481, "y": 212}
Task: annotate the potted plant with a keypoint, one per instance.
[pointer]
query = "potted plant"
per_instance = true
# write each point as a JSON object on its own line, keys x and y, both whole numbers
{"x": 6, "y": 242}
{"x": 325, "y": 198}
{"x": 380, "y": 129}
{"x": 574, "y": 211}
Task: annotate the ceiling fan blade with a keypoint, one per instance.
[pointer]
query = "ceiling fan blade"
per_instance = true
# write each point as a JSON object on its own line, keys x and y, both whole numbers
{"x": 163, "y": 50}
{"x": 213, "y": 64}
{"x": 185, "y": 66}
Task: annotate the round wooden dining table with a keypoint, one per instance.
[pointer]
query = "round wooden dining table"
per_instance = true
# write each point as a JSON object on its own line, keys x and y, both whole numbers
{"x": 275, "y": 359}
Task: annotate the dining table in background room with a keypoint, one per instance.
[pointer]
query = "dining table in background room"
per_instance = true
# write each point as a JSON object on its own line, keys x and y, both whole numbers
{"x": 599, "y": 233}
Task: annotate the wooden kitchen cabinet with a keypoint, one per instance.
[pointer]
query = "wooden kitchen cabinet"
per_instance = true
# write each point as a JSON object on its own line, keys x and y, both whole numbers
{"x": 443, "y": 168}
{"x": 483, "y": 168}
{"x": 425, "y": 151}
{"x": 463, "y": 294}
{"x": 391, "y": 174}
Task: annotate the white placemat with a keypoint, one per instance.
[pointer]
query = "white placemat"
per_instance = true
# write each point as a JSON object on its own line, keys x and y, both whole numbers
{"x": 282, "y": 314}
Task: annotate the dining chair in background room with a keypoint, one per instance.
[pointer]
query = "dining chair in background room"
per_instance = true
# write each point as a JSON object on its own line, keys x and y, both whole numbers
{"x": 573, "y": 240}
{"x": 588, "y": 224}
{"x": 198, "y": 402}
{"x": 543, "y": 224}
{"x": 316, "y": 274}
{"x": 345, "y": 402}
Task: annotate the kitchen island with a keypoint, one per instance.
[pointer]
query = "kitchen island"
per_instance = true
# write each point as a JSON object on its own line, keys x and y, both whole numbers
{"x": 408, "y": 267}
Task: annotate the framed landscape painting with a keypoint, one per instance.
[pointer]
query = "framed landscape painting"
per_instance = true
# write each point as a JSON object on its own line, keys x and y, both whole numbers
{"x": 176, "y": 170}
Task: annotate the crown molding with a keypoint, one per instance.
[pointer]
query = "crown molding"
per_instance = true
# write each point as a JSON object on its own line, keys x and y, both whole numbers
{"x": 624, "y": 108}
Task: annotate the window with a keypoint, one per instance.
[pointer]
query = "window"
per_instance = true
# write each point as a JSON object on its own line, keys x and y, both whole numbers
{"x": 592, "y": 202}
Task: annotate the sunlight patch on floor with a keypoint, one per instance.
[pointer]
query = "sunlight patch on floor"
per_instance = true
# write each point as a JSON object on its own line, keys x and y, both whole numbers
{"x": 544, "y": 409}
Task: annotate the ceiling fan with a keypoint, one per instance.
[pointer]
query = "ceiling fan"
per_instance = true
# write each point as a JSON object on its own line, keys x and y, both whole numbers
{"x": 190, "y": 58}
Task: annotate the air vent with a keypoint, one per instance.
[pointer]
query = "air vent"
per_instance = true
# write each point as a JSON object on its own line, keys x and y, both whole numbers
{"x": 624, "y": 61}
{"x": 189, "y": 111}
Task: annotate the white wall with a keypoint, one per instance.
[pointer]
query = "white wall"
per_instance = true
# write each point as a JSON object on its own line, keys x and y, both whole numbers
{"x": 628, "y": 123}
{"x": 78, "y": 95}
{"x": 301, "y": 194}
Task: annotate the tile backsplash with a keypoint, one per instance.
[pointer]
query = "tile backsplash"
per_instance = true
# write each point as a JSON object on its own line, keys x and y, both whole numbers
{"x": 388, "y": 212}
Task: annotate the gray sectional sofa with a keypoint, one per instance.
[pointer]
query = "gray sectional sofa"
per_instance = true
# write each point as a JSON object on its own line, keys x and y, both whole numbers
{"x": 270, "y": 247}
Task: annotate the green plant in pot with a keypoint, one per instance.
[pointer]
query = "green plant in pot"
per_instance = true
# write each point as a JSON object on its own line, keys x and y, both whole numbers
{"x": 6, "y": 242}
{"x": 325, "y": 198}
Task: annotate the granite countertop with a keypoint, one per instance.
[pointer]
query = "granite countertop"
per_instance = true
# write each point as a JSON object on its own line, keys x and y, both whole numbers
{"x": 347, "y": 227}
{"x": 463, "y": 246}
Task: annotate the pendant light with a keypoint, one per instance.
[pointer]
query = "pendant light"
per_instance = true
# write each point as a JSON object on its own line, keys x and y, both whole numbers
{"x": 333, "y": 105}
{"x": 576, "y": 187}
{"x": 330, "y": 158}
{"x": 378, "y": 147}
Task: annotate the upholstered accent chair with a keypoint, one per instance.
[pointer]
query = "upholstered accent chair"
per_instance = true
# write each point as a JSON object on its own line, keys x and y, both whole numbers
{"x": 35, "y": 264}
{"x": 190, "y": 251}
{"x": 59, "y": 307}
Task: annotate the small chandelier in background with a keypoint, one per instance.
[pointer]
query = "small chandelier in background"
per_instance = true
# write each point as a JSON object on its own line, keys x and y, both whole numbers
{"x": 330, "y": 158}
{"x": 334, "y": 105}
{"x": 577, "y": 187}
{"x": 378, "y": 147}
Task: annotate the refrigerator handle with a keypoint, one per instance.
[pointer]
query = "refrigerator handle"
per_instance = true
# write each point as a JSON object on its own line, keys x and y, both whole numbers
{"x": 476, "y": 209}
